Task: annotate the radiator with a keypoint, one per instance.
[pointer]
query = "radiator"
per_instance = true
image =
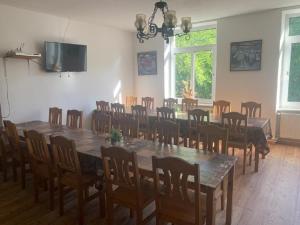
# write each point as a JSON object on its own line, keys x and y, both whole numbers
{"x": 288, "y": 125}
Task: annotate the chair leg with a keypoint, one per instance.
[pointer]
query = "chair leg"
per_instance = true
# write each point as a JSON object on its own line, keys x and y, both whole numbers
{"x": 102, "y": 204}
{"x": 23, "y": 175}
{"x": 244, "y": 160}
{"x": 36, "y": 188}
{"x": 61, "y": 198}
{"x": 15, "y": 174}
{"x": 250, "y": 158}
{"x": 222, "y": 196}
{"x": 80, "y": 194}
{"x": 51, "y": 193}
{"x": 131, "y": 213}
{"x": 139, "y": 216}
{"x": 4, "y": 169}
{"x": 110, "y": 210}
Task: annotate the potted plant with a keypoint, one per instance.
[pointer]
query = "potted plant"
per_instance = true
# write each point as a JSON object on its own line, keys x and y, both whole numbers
{"x": 115, "y": 136}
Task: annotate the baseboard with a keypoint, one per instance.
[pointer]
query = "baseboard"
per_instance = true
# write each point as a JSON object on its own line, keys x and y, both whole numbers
{"x": 289, "y": 141}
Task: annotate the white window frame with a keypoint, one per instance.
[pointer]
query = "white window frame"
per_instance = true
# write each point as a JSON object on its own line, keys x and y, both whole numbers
{"x": 285, "y": 57}
{"x": 194, "y": 49}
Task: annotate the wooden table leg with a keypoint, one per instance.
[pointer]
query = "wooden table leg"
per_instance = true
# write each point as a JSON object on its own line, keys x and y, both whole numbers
{"x": 210, "y": 207}
{"x": 229, "y": 196}
{"x": 256, "y": 159}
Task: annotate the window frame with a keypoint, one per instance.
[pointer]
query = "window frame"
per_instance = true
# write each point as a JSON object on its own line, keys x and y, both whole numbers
{"x": 285, "y": 52}
{"x": 193, "y": 50}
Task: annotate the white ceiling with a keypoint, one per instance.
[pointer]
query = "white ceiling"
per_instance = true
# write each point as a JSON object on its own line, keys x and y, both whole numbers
{"x": 121, "y": 13}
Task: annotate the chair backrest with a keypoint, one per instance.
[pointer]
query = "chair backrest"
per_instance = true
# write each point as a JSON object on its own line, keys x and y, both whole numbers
{"x": 102, "y": 106}
{"x": 220, "y": 107}
{"x": 170, "y": 102}
{"x": 148, "y": 102}
{"x": 197, "y": 117}
{"x": 139, "y": 112}
{"x": 168, "y": 132}
{"x": 214, "y": 138}
{"x": 74, "y": 118}
{"x": 102, "y": 122}
{"x": 65, "y": 156}
{"x": 165, "y": 113}
{"x": 131, "y": 100}
{"x": 177, "y": 181}
{"x": 117, "y": 109}
{"x": 188, "y": 103}
{"x": 252, "y": 109}
{"x": 3, "y": 149}
{"x": 236, "y": 124}
{"x": 37, "y": 147}
{"x": 121, "y": 169}
{"x": 12, "y": 134}
{"x": 129, "y": 126}
{"x": 55, "y": 116}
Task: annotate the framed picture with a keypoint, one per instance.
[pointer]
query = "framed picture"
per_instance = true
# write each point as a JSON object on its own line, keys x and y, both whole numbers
{"x": 245, "y": 56}
{"x": 147, "y": 64}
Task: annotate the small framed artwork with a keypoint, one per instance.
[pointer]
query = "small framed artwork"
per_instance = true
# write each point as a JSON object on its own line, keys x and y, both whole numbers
{"x": 147, "y": 63}
{"x": 245, "y": 56}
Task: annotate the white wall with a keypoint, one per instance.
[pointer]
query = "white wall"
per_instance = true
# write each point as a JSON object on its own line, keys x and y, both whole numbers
{"x": 32, "y": 91}
{"x": 150, "y": 85}
{"x": 235, "y": 87}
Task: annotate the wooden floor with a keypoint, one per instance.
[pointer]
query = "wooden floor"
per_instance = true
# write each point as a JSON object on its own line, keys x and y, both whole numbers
{"x": 269, "y": 197}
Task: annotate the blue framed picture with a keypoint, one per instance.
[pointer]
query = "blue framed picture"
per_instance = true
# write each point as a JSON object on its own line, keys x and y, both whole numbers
{"x": 147, "y": 63}
{"x": 245, "y": 56}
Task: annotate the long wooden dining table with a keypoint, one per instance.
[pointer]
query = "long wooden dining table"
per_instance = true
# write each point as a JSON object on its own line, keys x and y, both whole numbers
{"x": 259, "y": 129}
{"x": 213, "y": 167}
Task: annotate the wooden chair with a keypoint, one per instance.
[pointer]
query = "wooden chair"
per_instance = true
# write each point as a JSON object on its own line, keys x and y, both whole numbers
{"x": 102, "y": 106}
{"x": 102, "y": 122}
{"x": 188, "y": 103}
{"x": 69, "y": 174}
{"x": 165, "y": 113}
{"x": 19, "y": 151}
{"x": 130, "y": 101}
{"x": 170, "y": 102}
{"x": 167, "y": 131}
{"x": 6, "y": 155}
{"x": 55, "y": 116}
{"x": 214, "y": 139}
{"x": 251, "y": 109}
{"x": 196, "y": 118}
{"x": 220, "y": 107}
{"x": 129, "y": 126}
{"x": 148, "y": 102}
{"x": 118, "y": 111}
{"x": 238, "y": 137}
{"x": 139, "y": 113}
{"x": 42, "y": 163}
{"x": 124, "y": 185}
{"x": 178, "y": 196}
{"x": 74, "y": 119}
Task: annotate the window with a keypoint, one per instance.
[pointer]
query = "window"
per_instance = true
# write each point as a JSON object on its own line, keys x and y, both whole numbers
{"x": 289, "y": 89}
{"x": 193, "y": 64}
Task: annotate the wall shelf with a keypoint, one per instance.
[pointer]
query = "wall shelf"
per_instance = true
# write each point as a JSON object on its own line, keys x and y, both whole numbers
{"x": 22, "y": 56}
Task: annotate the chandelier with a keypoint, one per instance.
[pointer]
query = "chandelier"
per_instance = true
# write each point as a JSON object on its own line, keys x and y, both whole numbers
{"x": 150, "y": 29}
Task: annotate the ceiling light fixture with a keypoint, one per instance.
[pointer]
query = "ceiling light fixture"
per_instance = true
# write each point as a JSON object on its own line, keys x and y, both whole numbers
{"x": 150, "y": 30}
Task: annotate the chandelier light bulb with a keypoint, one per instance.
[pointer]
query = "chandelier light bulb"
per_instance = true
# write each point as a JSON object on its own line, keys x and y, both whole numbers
{"x": 186, "y": 24}
{"x": 170, "y": 19}
{"x": 140, "y": 22}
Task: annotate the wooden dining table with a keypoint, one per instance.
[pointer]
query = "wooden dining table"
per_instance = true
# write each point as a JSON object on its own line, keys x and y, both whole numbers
{"x": 259, "y": 129}
{"x": 213, "y": 167}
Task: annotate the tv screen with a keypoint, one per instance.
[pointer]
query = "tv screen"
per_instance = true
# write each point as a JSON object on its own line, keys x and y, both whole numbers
{"x": 63, "y": 57}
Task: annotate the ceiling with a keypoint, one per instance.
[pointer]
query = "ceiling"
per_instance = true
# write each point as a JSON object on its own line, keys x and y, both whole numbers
{"x": 121, "y": 13}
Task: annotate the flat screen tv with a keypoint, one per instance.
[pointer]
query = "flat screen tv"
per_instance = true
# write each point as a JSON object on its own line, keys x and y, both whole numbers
{"x": 64, "y": 57}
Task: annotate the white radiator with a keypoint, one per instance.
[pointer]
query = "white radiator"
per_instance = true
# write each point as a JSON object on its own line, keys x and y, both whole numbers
{"x": 288, "y": 125}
